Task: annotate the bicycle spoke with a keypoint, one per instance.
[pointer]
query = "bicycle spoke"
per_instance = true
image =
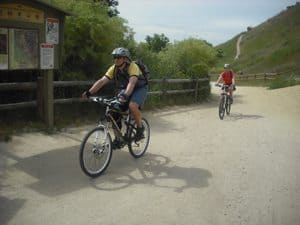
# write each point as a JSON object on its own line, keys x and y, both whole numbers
{"x": 95, "y": 152}
{"x": 138, "y": 148}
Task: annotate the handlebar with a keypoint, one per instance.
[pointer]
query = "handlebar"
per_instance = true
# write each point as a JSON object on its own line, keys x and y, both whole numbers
{"x": 111, "y": 103}
{"x": 223, "y": 85}
{"x": 104, "y": 100}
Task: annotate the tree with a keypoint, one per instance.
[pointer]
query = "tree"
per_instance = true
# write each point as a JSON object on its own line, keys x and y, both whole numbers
{"x": 157, "y": 42}
{"x": 189, "y": 58}
{"x": 89, "y": 39}
{"x": 220, "y": 53}
{"x": 111, "y": 6}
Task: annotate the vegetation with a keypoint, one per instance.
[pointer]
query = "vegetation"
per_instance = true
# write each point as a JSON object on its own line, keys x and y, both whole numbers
{"x": 283, "y": 81}
{"x": 91, "y": 35}
{"x": 273, "y": 46}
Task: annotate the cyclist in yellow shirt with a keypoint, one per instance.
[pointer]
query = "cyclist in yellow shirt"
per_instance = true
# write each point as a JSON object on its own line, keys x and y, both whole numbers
{"x": 131, "y": 83}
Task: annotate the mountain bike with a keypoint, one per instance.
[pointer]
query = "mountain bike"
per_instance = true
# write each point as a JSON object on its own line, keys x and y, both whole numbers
{"x": 96, "y": 148}
{"x": 225, "y": 100}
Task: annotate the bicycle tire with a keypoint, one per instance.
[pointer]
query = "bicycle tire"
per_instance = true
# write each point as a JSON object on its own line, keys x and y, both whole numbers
{"x": 221, "y": 107}
{"x": 138, "y": 149}
{"x": 98, "y": 151}
{"x": 228, "y": 106}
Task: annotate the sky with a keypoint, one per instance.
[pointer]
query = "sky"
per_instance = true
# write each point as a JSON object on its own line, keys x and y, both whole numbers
{"x": 215, "y": 21}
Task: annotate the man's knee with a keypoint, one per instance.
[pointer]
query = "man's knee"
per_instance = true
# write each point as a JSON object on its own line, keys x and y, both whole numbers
{"x": 133, "y": 106}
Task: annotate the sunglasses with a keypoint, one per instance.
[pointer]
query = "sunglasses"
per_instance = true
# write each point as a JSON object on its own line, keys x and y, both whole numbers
{"x": 118, "y": 57}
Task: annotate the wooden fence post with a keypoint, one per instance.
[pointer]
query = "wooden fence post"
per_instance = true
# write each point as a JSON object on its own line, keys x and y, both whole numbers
{"x": 164, "y": 88}
{"x": 196, "y": 89}
{"x": 39, "y": 97}
{"x": 48, "y": 100}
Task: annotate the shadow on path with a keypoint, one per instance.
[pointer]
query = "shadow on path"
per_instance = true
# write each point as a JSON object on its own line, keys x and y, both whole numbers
{"x": 58, "y": 172}
{"x": 154, "y": 170}
{"x": 8, "y": 208}
{"x": 240, "y": 116}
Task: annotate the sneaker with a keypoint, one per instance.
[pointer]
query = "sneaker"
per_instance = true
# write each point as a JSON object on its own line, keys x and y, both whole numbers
{"x": 139, "y": 133}
{"x": 116, "y": 144}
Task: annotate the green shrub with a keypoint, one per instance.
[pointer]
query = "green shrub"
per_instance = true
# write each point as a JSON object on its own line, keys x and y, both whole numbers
{"x": 281, "y": 82}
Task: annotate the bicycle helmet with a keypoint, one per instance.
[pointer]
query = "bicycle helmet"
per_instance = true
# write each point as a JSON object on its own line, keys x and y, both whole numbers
{"x": 123, "y": 52}
{"x": 226, "y": 66}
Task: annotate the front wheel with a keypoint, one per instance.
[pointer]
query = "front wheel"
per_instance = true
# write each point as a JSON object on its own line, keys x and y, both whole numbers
{"x": 138, "y": 148}
{"x": 222, "y": 107}
{"x": 228, "y": 105}
{"x": 95, "y": 152}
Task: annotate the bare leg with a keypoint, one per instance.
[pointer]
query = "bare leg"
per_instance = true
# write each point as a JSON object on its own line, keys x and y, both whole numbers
{"x": 136, "y": 113}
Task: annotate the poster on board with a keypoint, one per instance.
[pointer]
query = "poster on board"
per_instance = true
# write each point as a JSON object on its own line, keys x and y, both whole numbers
{"x": 47, "y": 56}
{"x": 3, "y": 49}
{"x": 52, "y": 30}
{"x": 23, "y": 49}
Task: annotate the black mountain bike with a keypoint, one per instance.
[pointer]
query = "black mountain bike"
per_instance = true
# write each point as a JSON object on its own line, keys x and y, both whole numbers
{"x": 96, "y": 148}
{"x": 225, "y": 100}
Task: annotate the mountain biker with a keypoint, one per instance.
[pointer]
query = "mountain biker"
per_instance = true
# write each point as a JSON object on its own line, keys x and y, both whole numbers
{"x": 131, "y": 84}
{"x": 228, "y": 77}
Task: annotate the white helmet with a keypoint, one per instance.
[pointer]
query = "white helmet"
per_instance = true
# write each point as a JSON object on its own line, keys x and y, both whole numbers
{"x": 123, "y": 52}
{"x": 226, "y": 66}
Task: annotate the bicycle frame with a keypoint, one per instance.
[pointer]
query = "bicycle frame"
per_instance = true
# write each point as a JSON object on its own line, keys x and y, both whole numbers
{"x": 225, "y": 103}
{"x": 124, "y": 116}
{"x": 225, "y": 89}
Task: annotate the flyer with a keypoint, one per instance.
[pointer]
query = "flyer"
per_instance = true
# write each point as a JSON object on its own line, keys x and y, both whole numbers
{"x": 52, "y": 30}
{"x": 47, "y": 56}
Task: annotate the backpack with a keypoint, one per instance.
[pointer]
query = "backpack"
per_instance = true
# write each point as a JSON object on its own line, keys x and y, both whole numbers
{"x": 144, "y": 69}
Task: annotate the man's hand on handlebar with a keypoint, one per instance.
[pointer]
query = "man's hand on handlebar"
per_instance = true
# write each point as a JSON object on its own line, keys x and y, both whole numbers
{"x": 86, "y": 94}
{"x": 122, "y": 97}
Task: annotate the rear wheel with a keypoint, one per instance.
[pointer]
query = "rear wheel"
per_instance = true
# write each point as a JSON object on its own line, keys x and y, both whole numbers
{"x": 95, "y": 152}
{"x": 222, "y": 107}
{"x": 138, "y": 148}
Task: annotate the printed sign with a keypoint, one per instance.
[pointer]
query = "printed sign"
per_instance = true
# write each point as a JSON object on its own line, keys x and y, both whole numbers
{"x": 19, "y": 12}
{"x": 52, "y": 30}
{"x": 23, "y": 49}
{"x": 47, "y": 56}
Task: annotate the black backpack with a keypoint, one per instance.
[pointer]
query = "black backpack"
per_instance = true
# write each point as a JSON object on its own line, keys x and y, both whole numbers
{"x": 144, "y": 69}
{"x": 145, "y": 74}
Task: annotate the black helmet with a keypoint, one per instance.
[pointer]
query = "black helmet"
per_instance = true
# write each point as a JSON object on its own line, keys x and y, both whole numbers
{"x": 123, "y": 52}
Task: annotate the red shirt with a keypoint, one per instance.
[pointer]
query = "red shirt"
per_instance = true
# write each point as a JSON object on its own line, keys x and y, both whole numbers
{"x": 227, "y": 77}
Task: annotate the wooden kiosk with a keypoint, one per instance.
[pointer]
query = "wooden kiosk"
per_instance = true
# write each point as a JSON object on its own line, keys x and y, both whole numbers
{"x": 31, "y": 38}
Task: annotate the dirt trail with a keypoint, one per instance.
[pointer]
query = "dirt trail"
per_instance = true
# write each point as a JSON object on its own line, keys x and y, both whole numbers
{"x": 238, "y": 49}
{"x": 198, "y": 170}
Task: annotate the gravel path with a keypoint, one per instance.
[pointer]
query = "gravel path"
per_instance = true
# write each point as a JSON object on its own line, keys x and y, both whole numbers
{"x": 238, "y": 49}
{"x": 198, "y": 170}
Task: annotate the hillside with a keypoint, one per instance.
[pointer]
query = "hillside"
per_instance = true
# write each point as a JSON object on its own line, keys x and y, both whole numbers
{"x": 273, "y": 46}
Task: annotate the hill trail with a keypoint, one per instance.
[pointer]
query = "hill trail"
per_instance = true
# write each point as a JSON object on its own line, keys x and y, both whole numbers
{"x": 238, "y": 49}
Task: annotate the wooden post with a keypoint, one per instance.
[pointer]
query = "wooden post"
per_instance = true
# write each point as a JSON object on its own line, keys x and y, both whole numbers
{"x": 164, "y": 88}
{"x": 48, "y": 98}
{"x": 196, "y": 89}
{"x": 39, "y": 97}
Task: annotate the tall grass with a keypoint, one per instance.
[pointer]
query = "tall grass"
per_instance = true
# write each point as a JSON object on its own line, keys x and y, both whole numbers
{"x": 281, "y": 82}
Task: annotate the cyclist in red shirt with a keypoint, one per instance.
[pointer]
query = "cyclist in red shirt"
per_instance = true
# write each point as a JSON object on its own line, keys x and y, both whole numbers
{"x": 228, "y": 77}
